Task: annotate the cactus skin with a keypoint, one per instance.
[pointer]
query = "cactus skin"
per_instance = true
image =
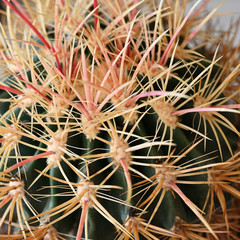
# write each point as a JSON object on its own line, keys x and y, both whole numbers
{"x": 112, "y": 127}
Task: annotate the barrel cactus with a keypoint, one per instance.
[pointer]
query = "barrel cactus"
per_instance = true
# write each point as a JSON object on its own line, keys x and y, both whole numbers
{"x": 119, "y": 120}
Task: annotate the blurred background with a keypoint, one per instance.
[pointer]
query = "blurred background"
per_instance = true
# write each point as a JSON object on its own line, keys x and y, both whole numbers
{"x": 231, "y": 11}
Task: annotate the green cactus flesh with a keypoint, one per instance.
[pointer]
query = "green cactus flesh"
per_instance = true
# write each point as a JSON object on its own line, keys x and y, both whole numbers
{"x": 108, "y": 134}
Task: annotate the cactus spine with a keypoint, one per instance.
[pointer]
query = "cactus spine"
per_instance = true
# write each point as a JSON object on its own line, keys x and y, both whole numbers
{"x": 117, "y": 122}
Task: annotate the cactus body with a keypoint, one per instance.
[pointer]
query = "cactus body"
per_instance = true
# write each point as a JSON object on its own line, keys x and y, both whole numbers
{"x": 112, "y": 127}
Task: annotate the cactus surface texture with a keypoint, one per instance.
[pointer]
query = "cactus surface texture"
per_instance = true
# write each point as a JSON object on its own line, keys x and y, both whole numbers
{"x": 119, "y": 120}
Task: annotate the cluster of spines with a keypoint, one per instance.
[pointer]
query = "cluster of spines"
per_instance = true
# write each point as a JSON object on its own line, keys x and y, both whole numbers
{"x": 75, "y": 93}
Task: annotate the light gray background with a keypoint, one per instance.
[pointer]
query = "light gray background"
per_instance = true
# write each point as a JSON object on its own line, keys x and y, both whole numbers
{"x": 228, "y": 6}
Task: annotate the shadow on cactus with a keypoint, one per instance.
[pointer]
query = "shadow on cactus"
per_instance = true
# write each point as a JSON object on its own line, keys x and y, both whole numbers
{"x": 117, "y": 122}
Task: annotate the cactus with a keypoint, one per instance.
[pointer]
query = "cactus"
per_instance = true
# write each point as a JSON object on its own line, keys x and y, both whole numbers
{"x": 119, "y": 120}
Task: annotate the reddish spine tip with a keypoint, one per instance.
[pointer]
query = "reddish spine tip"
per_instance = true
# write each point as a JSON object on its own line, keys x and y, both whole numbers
{"x": 42, "y": 39}
{"x": 35, "y": 89}
{"x": 30, "y": 159}
{"x": 95, "y": 5}
{"x": 9, "y": 89}
{"x": 82, "y": 220}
